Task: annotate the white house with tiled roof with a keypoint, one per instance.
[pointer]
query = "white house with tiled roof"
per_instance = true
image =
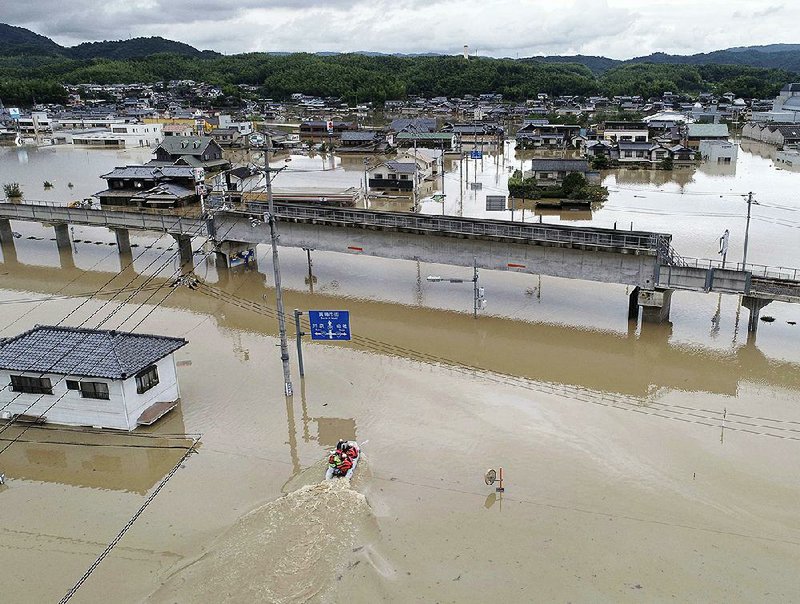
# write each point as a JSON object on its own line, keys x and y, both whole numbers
{"x": 88, "y": 377}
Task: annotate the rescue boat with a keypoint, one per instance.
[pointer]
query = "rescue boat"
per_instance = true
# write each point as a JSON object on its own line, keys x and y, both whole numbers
{"x": 330, "y": 474}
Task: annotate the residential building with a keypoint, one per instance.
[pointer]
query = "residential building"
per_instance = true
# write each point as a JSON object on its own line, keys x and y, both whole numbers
{"x": 718, "y": 151}
{"x": 317, "y": 130}
{"x": 88, "y": 377}
{"x": 699, "y": 132}
{"x": 394, "y": 176}
{"x": 637, "y": 132}
{"x": 362, "y": 141}
{"x": 194, "y": 151}
{"x": 153, "y": 186}
{"x": 551, "y": 172}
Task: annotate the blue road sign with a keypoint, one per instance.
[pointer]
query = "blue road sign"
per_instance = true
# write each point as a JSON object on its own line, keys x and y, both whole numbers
{"x": 329, "y": 324}
{"x": 476, "y": 154}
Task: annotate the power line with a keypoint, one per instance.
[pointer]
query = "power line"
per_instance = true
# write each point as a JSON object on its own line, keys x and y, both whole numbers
{"x": 71, "y": 592}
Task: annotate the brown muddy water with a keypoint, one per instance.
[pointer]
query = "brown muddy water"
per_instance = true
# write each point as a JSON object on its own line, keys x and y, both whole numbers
{"x": 642, "y": 462}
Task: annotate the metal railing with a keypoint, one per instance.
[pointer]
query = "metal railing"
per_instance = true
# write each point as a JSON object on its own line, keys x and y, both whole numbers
{"x": 756, "y": 270}
{"x": 149, "y": 221}
{"x": 472, "y": 227}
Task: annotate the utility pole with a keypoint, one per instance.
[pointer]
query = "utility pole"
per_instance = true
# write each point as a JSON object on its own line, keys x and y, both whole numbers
{"x": 747, "y": 228}
{"x": 287, "y": 378}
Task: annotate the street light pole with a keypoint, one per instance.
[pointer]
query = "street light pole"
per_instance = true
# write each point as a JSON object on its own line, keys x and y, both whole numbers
{"x": 273, "y": 231}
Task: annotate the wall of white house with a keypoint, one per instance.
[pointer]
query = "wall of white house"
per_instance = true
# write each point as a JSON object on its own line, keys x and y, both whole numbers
{"x": 165, "y": 391}
{"x": 64, "y": 406}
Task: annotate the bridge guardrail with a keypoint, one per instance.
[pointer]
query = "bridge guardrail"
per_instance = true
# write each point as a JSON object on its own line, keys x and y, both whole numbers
{"x": 756, "y": 270}
{"x": 453, "y": 225}
{"x": 105, "y": 218}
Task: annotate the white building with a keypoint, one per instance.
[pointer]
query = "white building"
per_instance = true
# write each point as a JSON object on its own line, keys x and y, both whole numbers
{"x": 785, "y": 107}
{"x": 37, "y": 122}
{"x": 88, "y": 377}
{"x": 120, "y": 135}
{"x": 244, "y": 128}
{"x": 719, "y": 152}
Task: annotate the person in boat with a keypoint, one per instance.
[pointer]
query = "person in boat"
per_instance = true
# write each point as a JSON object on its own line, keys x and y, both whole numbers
{"x": 349, "y": 450}
{"x": 340, "y": 461}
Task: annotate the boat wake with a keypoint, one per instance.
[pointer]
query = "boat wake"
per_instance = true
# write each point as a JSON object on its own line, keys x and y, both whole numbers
{"x": 289, "y": 550}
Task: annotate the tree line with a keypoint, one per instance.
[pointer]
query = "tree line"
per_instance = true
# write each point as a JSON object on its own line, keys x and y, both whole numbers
{"x": 362, "y": 78}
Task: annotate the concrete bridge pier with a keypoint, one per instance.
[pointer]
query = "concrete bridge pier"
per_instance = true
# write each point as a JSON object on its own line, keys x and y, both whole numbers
{"x": 7, "y": 242}
{"x": 64, "y": 245}
{"x": 63, "y": 242}
{"x": 655, "y": 305}
{"x": 123, "y": 241}
{"x": 235, "y": 254}
{"x": 184, "y": 248}
{"x": 633, "y": 305}
{"x": 6, "y": 234}
{"x": 754, "y": 305}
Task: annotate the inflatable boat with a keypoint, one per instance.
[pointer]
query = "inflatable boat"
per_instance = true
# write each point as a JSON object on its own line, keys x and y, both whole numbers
{"x": 333, "y": 473}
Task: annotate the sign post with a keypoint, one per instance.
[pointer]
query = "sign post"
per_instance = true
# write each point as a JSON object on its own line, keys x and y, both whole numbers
{"x": 329, "y": 325}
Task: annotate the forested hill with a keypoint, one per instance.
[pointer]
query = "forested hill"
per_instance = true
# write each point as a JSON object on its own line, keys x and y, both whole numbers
{"x": 18, "y": 41}
{"x": 35, "y": 68}
{"x": 21, "y": 41}
{"x": 135, "y": 47}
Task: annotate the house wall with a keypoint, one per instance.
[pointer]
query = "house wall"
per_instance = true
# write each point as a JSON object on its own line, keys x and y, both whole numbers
{"x": 639, "y": 136}
{"x": 72, "y": 409}
{"x": 120, "y": 412}
{"x": 164, "y": 392}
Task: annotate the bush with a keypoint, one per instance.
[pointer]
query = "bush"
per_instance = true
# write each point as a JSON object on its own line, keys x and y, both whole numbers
{"x": 600, "y": 162}
{"x": 12, "y": 190}
{"x": 667, "y": 163}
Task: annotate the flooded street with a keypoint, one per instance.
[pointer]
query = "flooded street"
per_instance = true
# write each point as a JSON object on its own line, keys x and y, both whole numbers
{"x": 642, "y": 462}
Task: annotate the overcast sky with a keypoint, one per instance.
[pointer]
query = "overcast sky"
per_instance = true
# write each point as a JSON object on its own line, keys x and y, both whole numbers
{"x": 501, "y": 28}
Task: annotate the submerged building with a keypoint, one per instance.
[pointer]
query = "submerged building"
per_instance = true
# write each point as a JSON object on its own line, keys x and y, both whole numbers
{"x": 88, "y": 377}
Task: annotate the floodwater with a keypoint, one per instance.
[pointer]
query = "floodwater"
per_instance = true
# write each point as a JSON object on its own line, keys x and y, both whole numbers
{"x": 641, "y": 461}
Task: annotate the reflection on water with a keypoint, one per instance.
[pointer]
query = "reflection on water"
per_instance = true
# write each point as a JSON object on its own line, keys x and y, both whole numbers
{"x": 95, "y": 459}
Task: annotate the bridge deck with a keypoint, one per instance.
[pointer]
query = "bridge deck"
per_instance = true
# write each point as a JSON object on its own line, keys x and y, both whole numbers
{"x": 758, "y": 281}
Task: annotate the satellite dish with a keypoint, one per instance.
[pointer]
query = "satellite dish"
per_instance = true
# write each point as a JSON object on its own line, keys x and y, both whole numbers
{"x": 490, "y": 477}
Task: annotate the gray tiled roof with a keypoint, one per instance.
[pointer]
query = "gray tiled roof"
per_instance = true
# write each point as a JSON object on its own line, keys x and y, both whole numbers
{"x": 402, "y": 167}
{"x": 359, "y": 135}
{"x": 186, "y": 145}
{"x": 150, "y": 172}
{"x": 560, "y": 165}
{"x": 84, "y": 352}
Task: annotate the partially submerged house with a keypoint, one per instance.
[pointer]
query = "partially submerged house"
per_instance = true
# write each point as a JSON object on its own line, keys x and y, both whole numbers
{"x": 551, "y": 172}
{"x": 195, "y": 151}
{"x": 88, "y": 377}
{"x": 154, "y": 186}
{"x": 394, "y": 176}
{"x": 705, "y": 132}
{"x": 362, "y": 141}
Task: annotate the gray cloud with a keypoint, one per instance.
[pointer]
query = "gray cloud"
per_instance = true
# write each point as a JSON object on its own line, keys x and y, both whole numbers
{"x": 617, "y": 28}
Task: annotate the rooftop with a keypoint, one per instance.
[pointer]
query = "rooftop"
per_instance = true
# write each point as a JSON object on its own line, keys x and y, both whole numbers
{"x": 560, "y": 165}
{"x": 84, "y": 352}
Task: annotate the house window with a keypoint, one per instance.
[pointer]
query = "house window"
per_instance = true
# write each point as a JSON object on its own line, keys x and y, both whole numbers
{"x": 96, "y": 390}
{"x": 146, "y": 379}
{"x": 392, "y": 176}
{"x": 628, "y": 153}
{"x": 31, "y": 385}
{"x": 73, "y": 385}
{"x": 404, "y": 177}
{"x": 378, "y": 176}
